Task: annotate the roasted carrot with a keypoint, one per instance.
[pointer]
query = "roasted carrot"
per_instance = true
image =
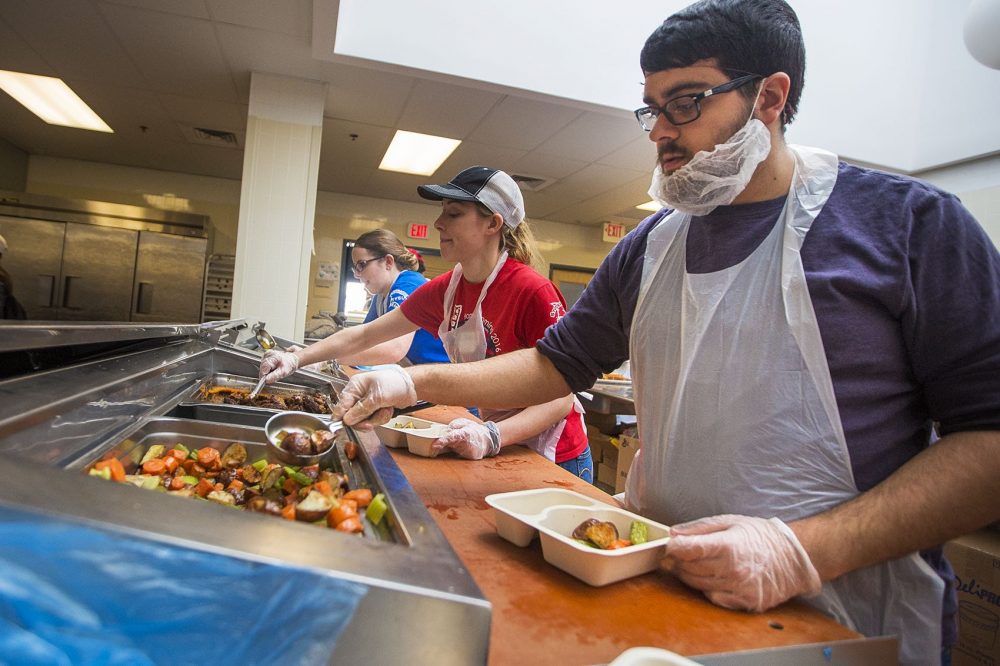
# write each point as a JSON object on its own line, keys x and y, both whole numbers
{"x": 350, "y": 525}
{"x": 324, "y": 487}
{"x": 339, "y": 514}
{"x": 153, "y": 467}
{"x": 288, "y": 512}
{"x": 115, "y": 466}
{"x": 363, "y": 496}
{"x": 210, "y": 458}
{"x": 204, "y": 487}
{"x": 170, "y": 463}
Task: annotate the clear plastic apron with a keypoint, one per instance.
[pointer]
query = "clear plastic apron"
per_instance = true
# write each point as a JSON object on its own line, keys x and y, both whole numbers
{"x": 737, "y": 412}
{"x": 467, "y": 343}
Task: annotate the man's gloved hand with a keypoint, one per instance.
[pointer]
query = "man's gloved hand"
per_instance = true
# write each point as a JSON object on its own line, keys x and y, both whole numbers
{"x": 742, "y": 562}
{"x": 369, "y": 397}
{"x": 469, "y": 439}
{"x": 277, "y": 365}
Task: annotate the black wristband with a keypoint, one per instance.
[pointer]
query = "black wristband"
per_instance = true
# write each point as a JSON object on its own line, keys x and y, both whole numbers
{"x": 494, "y": 439}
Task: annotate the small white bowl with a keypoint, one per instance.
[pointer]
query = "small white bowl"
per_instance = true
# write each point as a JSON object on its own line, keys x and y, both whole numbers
{"x": 515, "y": 512}
{"x": 415, "y": 434}
{"x": 419, "y": 441}
{"x": 595, "y": 566}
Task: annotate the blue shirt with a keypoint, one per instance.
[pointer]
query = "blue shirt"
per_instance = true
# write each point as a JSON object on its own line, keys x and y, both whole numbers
{"x": 425, "y": 348}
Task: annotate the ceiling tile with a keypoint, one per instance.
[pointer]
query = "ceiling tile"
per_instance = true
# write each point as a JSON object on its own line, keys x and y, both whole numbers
{"x": 365, "y": 95}
{"x": 616, "y": 202}
{"x": 470, "y": 153}
{"x": 593, "y": 179}
{"x": 247, "y": 50}
{"x": 446, "y": 110}
{"x": 505, "y": 125}
{"x": 205, "y": 113}
{"x": 640, "y": 153}
{"x": 591, "y": 136}
{"x": 290, "y": 17}
{"x": 545, "y": 165}
{"x": 176, "y": 54}
{"x": 72, "y": 38}
{"x": 342, "y": 151}
{"x": 16, "y": 55}
{"x": 192, "y": 8}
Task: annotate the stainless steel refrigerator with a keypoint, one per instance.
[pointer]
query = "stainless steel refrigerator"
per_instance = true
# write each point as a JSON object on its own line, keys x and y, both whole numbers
{"x": 95, "y": 261}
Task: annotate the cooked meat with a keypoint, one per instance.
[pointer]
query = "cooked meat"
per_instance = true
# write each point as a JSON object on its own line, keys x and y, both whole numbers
{"x": 269, "y": 402}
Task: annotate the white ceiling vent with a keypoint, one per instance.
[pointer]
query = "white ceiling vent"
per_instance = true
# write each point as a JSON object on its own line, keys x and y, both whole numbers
{"x": 212, "y": 137}
{"x": 531, "y": 183}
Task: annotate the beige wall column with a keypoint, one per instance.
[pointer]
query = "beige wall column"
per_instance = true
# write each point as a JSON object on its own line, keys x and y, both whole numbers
{"x": 274, "y": 241}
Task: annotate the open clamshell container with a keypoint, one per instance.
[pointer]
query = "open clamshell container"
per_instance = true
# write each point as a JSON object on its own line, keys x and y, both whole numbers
{"x": 415, "y": 434}
{"x": 553, "y": 514}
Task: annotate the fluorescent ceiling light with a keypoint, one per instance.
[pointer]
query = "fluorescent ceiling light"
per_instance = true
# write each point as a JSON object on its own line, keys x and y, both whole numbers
{"x": 51, "y": 100}
{"x": 650, "y": 205}
{"x": 420, "y": 154}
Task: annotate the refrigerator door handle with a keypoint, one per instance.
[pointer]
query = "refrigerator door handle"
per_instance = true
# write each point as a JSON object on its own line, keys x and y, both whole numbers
{"x": 67, "y": 281}
{"x": 46, "y": 290}
{"x": 144, "y": 298}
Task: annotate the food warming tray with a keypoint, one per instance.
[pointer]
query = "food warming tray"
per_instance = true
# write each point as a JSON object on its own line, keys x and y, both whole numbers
{"x": 108, "y": 388}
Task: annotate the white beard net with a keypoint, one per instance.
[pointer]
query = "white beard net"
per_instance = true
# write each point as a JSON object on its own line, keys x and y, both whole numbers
{"x": 713, "y": 178}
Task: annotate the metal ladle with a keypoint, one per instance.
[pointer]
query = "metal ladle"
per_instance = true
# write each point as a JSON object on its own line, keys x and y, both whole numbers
{"x": 264, "y": 339}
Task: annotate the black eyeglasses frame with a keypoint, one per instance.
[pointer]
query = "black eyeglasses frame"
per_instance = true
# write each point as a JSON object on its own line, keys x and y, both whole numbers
{"x": 653, "y": 111}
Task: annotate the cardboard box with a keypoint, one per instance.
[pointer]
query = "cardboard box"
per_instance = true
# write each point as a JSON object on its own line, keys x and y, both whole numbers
{"x": 627, "y": 447}
{"x": 976, "y": 560}
{"x": 606, "y": 474}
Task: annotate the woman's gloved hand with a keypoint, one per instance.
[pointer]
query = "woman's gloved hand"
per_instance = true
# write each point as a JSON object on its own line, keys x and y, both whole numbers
{"x": 277, "y": 365}
{"x": 316, "y": 367}
{"x": 469, "y": 439}
{"x": 369, "y": 397}
{"x": 742, "y": 562}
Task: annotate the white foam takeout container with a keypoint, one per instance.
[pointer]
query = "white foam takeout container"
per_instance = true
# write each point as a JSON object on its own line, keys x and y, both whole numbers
{"x": 415, "y": 434}
{"x": 554, "y": 513}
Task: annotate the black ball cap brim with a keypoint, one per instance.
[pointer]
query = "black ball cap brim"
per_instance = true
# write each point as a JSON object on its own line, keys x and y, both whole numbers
{"x": 439, "y": 192}
{"x": 466, "y": 186}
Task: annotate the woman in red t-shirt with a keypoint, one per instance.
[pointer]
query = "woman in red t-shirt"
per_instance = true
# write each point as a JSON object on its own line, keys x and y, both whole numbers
{"x": 492, "y": 303}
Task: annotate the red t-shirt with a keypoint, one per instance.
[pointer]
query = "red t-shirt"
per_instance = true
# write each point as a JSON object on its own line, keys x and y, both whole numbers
{"x": 519, "y": 305}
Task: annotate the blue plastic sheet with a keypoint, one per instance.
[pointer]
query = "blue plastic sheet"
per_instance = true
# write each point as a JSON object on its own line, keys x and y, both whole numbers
{"x": 71, "y": 594}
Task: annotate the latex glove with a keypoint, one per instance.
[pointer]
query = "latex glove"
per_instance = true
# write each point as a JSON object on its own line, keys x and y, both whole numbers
{"x": 277, "y": 365}
{"x": 466, "y": 438}
{"x": 369, "y": 397}
{"x": 742, "y": 562}
{"x": 315, "y": 367}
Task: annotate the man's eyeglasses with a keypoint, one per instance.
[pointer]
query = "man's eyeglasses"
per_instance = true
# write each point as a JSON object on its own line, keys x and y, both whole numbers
{"x": 360, "y": 266}
{"x": 687, "y": 108}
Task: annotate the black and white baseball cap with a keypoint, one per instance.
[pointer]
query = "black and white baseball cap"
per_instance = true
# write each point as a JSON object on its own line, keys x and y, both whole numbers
{"x": 491, "y": 187}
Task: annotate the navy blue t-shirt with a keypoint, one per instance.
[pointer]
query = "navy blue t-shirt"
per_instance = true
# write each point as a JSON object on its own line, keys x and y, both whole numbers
{"x": 906, "y": 289}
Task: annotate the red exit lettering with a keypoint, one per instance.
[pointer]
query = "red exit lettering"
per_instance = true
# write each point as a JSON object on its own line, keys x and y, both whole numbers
{"x": 417, "y": 231}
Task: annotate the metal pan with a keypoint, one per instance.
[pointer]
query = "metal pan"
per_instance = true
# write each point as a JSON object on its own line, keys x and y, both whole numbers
{"x": 198, "y": 434}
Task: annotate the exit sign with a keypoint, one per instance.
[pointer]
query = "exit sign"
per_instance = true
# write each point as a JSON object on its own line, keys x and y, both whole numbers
{"x": 613, "y": 232}
{"x": 417, "y": 230}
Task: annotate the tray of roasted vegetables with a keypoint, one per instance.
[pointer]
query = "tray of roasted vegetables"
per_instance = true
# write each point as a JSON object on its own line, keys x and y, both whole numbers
{"x": 233, "y": 478}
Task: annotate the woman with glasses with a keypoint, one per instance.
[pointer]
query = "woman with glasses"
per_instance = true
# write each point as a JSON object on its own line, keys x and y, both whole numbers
{"x": 388, "y": 271}
{"x": 492, "y": 303}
